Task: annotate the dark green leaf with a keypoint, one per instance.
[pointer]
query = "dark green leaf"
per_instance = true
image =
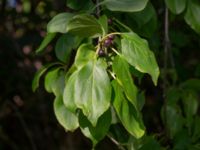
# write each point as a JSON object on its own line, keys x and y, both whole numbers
{"x": 89, "y": 87}
{"x": 174, "y": 119}
{"x": 176, "y": 6}
{"x": 128, "y": 115}
{"x": 84, "y": 54}
{"x": 125, "y": 5}
{"x": 143, "y": 22}
{"x": 48, "y": 38}
{"x": 150, "y": 142}
{"x": 191, "y": 84}
{"x": 65, "y": 117}
{"x": 192, "y": 16}
{"x": 64, "y": 46}
{"x": 83, "y": 5}
{"x": 103, "y": 20}
{"x": 190, "y": 102}
{"x": 59, "y": 23}
{"x": 141, "y": 100}
{"x": 136, "y": 51}
{"x": 121, "y": 69}
{"x": 84, "y": 26}
{"x": 98, "y": 132}
{"x": 35, "y": 83}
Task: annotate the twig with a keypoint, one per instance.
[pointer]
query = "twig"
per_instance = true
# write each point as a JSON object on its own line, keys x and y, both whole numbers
{"x": 98, "y": 8}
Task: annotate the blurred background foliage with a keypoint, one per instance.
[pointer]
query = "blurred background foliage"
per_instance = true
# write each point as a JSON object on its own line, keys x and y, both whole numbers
{"x": 27, "y": 120}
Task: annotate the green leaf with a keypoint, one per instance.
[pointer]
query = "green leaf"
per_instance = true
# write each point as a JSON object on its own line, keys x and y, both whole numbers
{"x": 83, "y": 5}
{"x": 148, "y": 142}
{"x": 64, "y": 46}
{"x": 39, "y": 73}
{"x": 84, "y": 54}
{"x": 66, "y": 118}
{"x": 125, "y": 5}
{"x": 176, "y": 6}
{"x": 128, "y": 115}
{"x": 69, "y": 93}
{"x": 143, "y": 22}
{"x": 48, "y": 38}
{"x": 55, "y": 81}
{"x": 192, "y": 16}
{"x": 190, "y": 103}
{"x": 103, "y": 20}
{"x": 136, "y": 51}
{"x": 59, "y": 23}
{"x": 121, "y": 69}
{"x": 191, "y": 84}
{"x": 174, "y": 119}
{"x": 98, "y": 132}
{"x": 89, "y": 87}
{"x": 84, "y": 26}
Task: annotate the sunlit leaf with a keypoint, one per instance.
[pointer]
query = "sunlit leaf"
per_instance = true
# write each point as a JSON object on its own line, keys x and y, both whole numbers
{"x": 136, "y": 51}
{"x": 65, "y": 117}
{"x": 128, "y": 115}
{"x": 59, "y": 23}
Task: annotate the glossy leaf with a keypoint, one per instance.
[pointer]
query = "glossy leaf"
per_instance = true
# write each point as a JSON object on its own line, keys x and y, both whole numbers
{"x": 84, "y": 54}
{"x": 39, "y": 73}
{"x": 128, "y": 115}
{"x": 84, "y": 26}
{"x": 59, "y": 23}
{"x": 55, "y": 81}
{"x": 89, "y": 87}
{"x": 125, "y": 5}
{"x": 48, "y": 38}
{"x": 121, "y": 69}
{"x": 64, "y": 46}
{"x": 65, "y": 117}
{"x": 98, "y": 132}
{"x": 69, "y": 93}
{"x": 192, "y": 16}
{"x": 176, "y": 6}
{"x": 136, "y": 51}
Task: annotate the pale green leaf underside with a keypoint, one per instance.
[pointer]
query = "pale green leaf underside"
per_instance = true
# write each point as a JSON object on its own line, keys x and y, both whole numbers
{"x": 65, "y": 117}
{"x": 89, "y": 89}
{"x": 125, "y": 5}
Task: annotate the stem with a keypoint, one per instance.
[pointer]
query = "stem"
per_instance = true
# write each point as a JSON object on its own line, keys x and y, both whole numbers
{"x": 114, "y": 50}
{"x": 123, "y": 25}
{"x": 116, "y": 142}
{"x": 166, "y": 53}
